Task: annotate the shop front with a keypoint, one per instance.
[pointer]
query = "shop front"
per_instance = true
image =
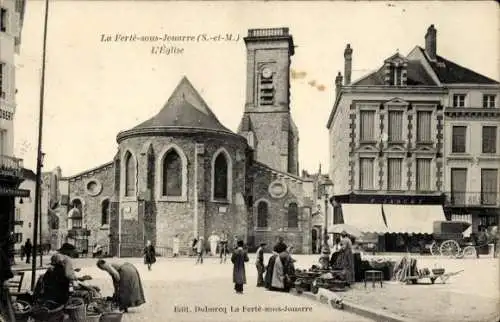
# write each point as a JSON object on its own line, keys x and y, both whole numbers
{"x": 395, "y": 223}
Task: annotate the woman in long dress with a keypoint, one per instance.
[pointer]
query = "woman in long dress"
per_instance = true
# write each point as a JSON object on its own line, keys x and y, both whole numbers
{"x": 54, "y": 285}
{"x": 347, "y": 261}
{"x": 127, "y": 284}
{"x": 149, "y": 255}
{"x": 238, "y": 258}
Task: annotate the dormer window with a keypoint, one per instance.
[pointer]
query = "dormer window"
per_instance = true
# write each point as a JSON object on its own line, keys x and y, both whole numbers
{"x": 459, "y": 100}
{"x": 489, "y": 101}
{"x": 266, "y": 87}
{"x": 397, "y": 75}
{"x": 396, "y": 71}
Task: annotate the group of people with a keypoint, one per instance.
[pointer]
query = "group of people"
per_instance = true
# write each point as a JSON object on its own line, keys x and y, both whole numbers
{"x": 218, "y": 244}
{"x": 56, "y": 283}
{"x": 276, "y": 276}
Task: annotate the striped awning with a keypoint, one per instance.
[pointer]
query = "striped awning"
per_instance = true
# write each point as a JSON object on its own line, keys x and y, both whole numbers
{"x": 413, "y": 219}
{"x": 4, "y": 191}
{"x": 365, "y": 217}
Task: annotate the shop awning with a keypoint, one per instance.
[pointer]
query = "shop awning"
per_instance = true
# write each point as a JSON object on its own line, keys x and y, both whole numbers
{"x": 10, "y": 192}
{"x": 366, "y": 217}
{"x": 415, "y": 219}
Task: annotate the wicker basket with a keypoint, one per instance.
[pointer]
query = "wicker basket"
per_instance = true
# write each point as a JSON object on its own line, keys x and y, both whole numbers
{"x": 111, "y": 317}
{"x": 75, "y": 308}
{"x": 22, "y": 311}
{"x": 93, "y": 317}
{"x": 48, "y": 312}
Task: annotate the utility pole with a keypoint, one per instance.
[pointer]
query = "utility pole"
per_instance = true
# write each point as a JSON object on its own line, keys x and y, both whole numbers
{"x": 39, "y": 150}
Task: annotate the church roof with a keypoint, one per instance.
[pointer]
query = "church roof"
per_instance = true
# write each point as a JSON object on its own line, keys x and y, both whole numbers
{"x": 185, "y": 108}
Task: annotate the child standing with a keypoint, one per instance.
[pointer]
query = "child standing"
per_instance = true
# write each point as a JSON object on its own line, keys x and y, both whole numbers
{"x": 239, "y": 258}
{"x": 200, "y": 249}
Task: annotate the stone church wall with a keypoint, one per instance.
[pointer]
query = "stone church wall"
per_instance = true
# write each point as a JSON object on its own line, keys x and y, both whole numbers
{"x": 92, "y": 188}
{"x": 171, "y": 217}
{"x": 278, "y": 210}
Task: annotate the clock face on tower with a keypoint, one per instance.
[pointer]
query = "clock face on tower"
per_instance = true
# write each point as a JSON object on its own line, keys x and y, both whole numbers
{"x": 267, "y": 73}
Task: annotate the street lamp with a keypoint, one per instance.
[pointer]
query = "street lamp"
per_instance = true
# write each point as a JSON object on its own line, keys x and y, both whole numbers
{"x": 325, "y": 251}
{"x": 325, "y": 229}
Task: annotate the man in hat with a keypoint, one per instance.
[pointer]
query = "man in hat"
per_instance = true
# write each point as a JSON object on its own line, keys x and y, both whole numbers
{"x": 259, "y": 263}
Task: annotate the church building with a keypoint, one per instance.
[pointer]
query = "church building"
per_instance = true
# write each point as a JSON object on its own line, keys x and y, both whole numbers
{"x": 184, "y": 173}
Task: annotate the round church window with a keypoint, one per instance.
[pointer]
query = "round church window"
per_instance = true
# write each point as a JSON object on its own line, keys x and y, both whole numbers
{"x": 277, "y": 189}
{"x": 93, "y": 187}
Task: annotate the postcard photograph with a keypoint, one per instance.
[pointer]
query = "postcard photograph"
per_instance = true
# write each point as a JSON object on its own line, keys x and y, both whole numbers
{"x": 249, "y": 160}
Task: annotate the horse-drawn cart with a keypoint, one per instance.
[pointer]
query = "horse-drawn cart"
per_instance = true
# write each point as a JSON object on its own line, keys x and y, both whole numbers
{"x": 449, "y": 240}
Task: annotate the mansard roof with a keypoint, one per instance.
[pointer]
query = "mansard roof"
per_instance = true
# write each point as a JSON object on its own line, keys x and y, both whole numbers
{"x": 445, "y": 70}
{"x": 449, "y": 72}
{"x": 416, "y": 75}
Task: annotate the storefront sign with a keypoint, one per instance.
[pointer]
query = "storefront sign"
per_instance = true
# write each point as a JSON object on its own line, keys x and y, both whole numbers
{"x": 14, "y": 192}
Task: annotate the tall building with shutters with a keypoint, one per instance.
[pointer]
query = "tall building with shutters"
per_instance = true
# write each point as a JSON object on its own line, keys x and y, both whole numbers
{"x": 11, "y": 168}
{"x": 397, "y": 126}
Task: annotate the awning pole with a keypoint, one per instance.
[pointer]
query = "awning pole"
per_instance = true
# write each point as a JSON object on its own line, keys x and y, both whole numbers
{"x": 39, "y": 151}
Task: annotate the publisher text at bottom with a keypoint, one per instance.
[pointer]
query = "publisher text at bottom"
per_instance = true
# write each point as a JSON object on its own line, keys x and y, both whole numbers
{"x": 239, "y": 309}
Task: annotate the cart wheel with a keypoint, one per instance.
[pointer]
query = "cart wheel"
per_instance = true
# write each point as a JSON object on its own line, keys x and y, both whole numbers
{"x": 470, "y": 251}
{"x": 449, "y": 248}
{"x": 314, "y": 289}
{"x": 435, "y": 249}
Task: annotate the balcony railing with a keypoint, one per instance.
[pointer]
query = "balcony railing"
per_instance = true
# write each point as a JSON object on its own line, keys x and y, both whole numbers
{"x": 10, "y": 166}
{"x": 269, "y": 32}
{"x": 463, "y": 199}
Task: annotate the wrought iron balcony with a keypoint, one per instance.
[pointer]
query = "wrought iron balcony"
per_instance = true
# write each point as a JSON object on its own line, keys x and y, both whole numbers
{"x": 10, "y": 166}
{"x": 468, "y": 199}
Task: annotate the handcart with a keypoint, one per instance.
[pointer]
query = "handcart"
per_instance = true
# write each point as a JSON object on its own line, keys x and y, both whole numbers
{"x": 433, "y": 275}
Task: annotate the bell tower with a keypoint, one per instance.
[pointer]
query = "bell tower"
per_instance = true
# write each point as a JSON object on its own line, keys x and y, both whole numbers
{"x": 267, "y": 123}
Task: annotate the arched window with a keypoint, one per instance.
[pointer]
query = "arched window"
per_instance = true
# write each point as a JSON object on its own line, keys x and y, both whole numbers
{"x": 262, "y": 214}
{"x": 293, "y": 215}
{"x": 221, "y": 177}
{"x": 105, "y": 212}
{"x": 129, "y": 175}
{"x": 172, "y": 174}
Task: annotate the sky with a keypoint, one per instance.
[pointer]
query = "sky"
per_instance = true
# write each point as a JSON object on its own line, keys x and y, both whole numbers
{"x": 95, "y": 89}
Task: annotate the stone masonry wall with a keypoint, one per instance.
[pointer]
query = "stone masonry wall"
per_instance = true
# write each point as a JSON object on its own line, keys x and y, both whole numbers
{"x": 278, "y": 210}
{"x": 92, "y": 201}
{"x": 176, "y": 217}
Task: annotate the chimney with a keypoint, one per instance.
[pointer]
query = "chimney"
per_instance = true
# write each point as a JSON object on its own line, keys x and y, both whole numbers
{"x": 430, "y": 42}
{"x": 347, "y": 64}
{"x": 338, "y": 84}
